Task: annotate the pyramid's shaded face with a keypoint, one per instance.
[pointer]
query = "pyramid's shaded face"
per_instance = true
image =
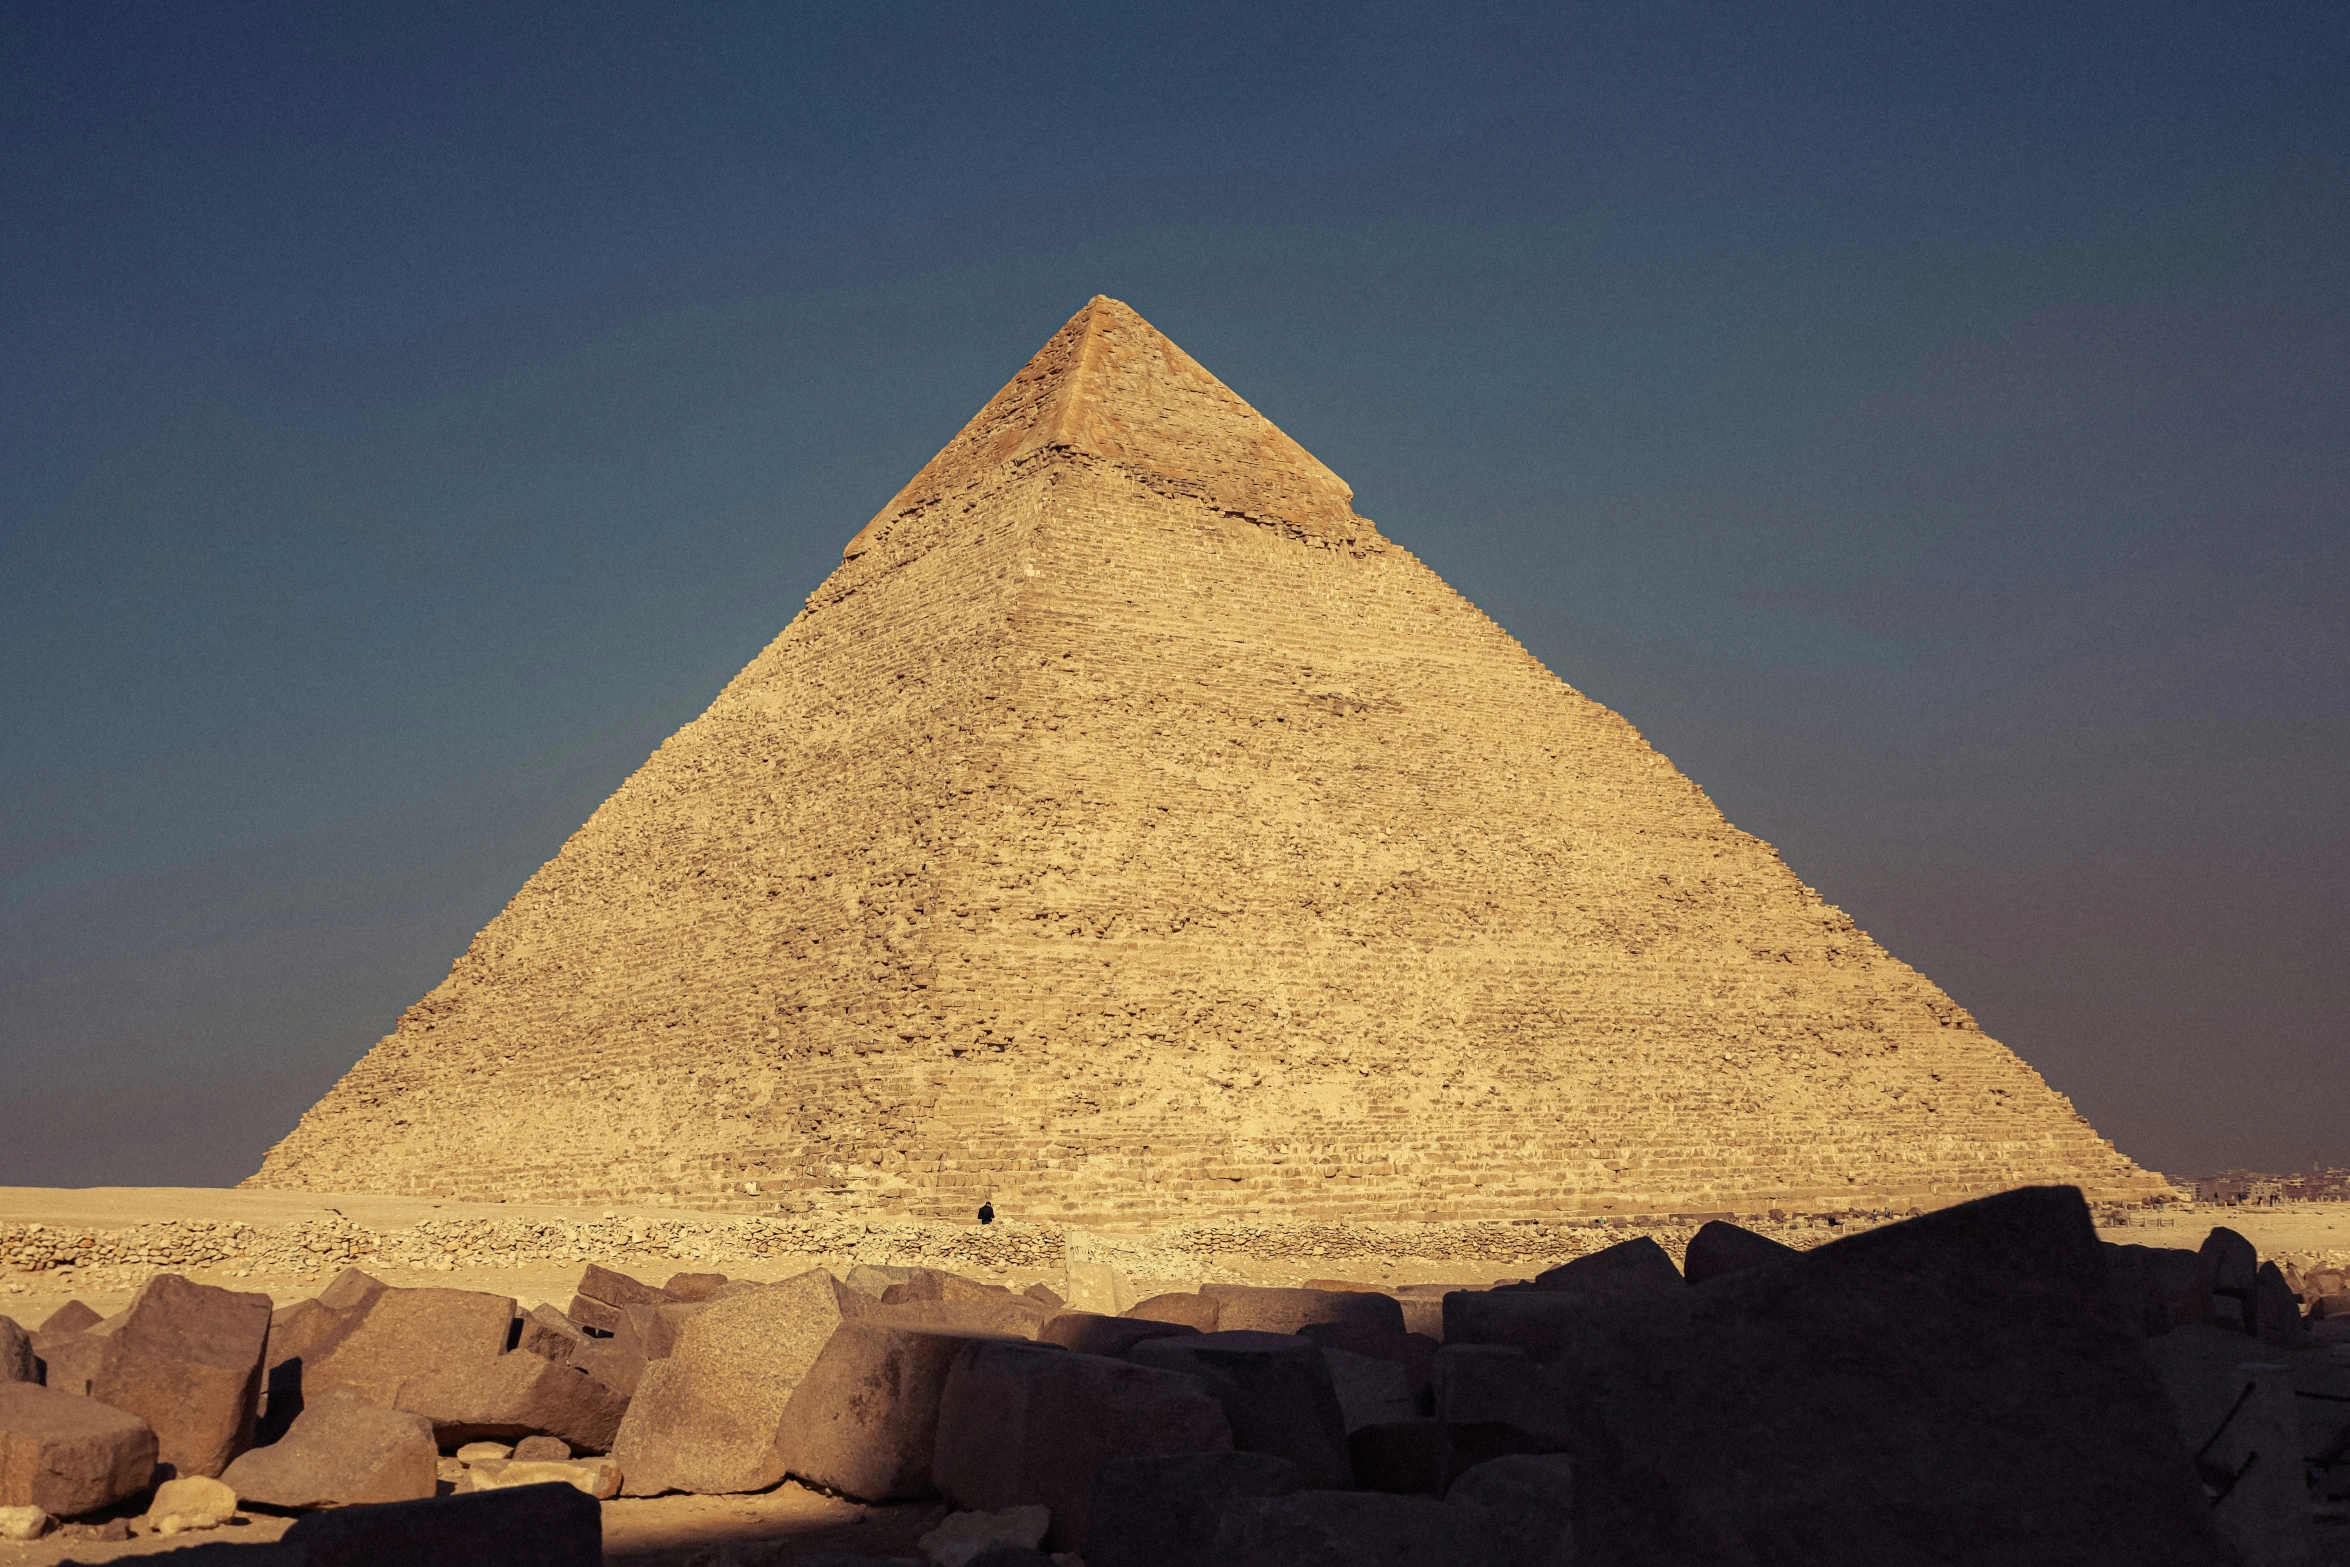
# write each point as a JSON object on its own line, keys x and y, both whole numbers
{"x": 1127, "y": 830}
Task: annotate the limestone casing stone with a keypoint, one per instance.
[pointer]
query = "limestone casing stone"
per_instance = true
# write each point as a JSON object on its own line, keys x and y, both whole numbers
{"x": 191, "y": 1495}
{"x": 23, "y": 1523}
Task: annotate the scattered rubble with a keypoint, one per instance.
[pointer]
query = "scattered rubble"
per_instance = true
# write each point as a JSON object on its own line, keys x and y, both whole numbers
{"x": 1988, "y": 1376}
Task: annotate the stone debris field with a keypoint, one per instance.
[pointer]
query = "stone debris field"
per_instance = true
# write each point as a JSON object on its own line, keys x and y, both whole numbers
{"x": 2071, "y": 1400}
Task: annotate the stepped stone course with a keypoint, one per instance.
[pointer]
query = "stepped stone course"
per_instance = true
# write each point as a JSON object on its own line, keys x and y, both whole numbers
{"x": 1127, "y": 830}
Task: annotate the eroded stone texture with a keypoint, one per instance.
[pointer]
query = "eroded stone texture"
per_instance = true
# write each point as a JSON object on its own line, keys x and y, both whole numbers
{"x": 864, "y": 1420}
{"x": 1023, "y": 1424}
{"x": 66, "y": 1454}
{"x": 341, "y": 1450}
{"x": 187, "y": 1360}
{"x": 1127, "y": 829}
{"x": 514, "y": 1396}
{"x": 404, "y": 1333}
{"x": 1964, "y": 1379}
{"x": 706, "y": 1418}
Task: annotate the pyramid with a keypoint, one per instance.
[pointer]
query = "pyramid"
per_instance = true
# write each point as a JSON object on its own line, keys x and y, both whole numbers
{"x": 1126, "y": 830}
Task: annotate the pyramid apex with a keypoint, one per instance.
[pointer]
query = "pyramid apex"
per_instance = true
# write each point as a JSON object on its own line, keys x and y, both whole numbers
{"x": 1110, "y": 386}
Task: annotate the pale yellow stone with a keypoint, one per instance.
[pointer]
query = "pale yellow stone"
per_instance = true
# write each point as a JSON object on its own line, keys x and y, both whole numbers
{"x": 598, "y": 1477}
{"x": 1128, "y": 831}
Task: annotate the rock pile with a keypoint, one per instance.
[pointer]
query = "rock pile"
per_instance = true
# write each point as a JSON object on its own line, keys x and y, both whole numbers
{"x": 1987, "y": 1382}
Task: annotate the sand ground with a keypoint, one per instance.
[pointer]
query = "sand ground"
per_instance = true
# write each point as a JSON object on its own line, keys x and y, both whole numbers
{"x": 683, "y": 1531}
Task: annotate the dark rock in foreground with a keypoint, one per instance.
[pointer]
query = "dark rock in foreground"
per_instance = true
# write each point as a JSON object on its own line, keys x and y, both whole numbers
{"x": 1956, "y": 1388}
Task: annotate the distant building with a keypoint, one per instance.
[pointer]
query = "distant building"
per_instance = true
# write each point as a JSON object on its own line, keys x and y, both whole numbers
{"x": 2247, "y": 1187}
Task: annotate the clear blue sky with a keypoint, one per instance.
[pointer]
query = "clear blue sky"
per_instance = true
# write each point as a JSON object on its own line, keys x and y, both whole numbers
{"x": 1929, "y": 424}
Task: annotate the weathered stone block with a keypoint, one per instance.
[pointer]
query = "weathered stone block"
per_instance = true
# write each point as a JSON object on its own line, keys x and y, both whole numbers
{"x": 531, "y": 1526}
{"x": 1498, "y": 1383}
{"x": 2227, "y": 1266}
{"x": 1542, "y": 1322}
{"x": 650, "y": 1332}
{"x": 2234, "y": 1401}
{"x": 935, "y": 1284}
{"x": 867, "y": 1279}
{"x": 594, "y": 1315}
{"x": 1023, "y": 1424}
{"x": 620, "y": 1367}
{"x": 2152, "y": 1284}
{"x": 693, "y": 1286}
{"x": 192, "y": 1496}
{"x": 1164, "y": 1511}
{"x": 1090, "y": 1333}
{"x": 1276, "y": 1392}
{"x": 1956, "y": 1380}
{"x": 706, "y": 1418}
{"x": 17, "y": 1361}
{"x": 66, "y": 1454}
{"x": 511, "y": 1397}
{"x": 1371, "y": 1391}
{"x": 1354, "y": 1529}
{"x": 1629, "y": 1271}
{"x": 72, "y": 1317}
{"x": 1720, "y": 1247}
{"x": 618, "y": 1289}
{"x": 403, "y": 1333}
{"x": 864, "y": 1420}
{"x": 69, "y": 1362}
{"x": 1013, "y": 1316}
{"x": 1422, "y": 1306}
{"x": 1531, "y": 1501}
{"x": 1414, "y": 1352}
{"x": 550, "y": 1335}
{"x": 597, "y": 1477}
{"x": 1402, "y": 1457}
{"x": 186, "y": 1359}
{"x": 999, "y": 1539}
{"x": 1248, "y": 1308}
{"x": 2275, "y": 1312}
{"x": 342, "y": 1449}
{"x": 1190, "y": 1310}
{"x": 351, "y": 1289}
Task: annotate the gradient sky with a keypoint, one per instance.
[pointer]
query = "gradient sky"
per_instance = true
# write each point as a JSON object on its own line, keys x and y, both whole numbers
{"x": 1929, "y": 424}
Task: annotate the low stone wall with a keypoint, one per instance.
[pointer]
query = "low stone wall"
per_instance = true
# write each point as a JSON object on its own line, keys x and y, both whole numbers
{"x": 103, "y": 1259}
{"x": 100, "y": 1257}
